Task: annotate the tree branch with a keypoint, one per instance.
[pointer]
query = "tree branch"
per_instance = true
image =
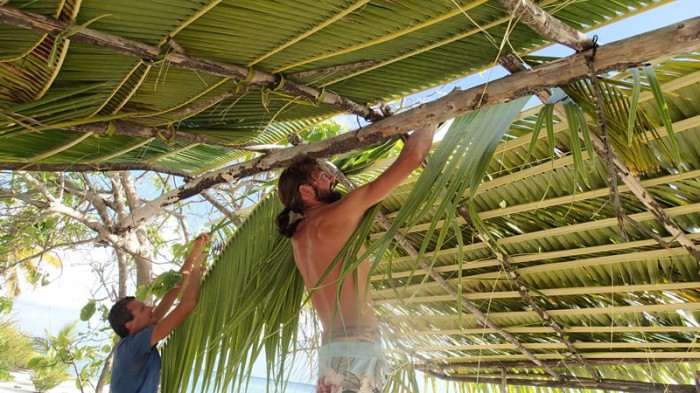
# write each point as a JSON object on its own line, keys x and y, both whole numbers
{"x": 93, "y": 197}
{"x": 141, "y": 131}
{"x": 54, "y": 206}
{"x": 97, "y": 167}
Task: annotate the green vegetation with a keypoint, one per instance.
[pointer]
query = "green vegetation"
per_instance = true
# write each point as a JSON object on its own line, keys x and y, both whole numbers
{"x": 16, "y": 349}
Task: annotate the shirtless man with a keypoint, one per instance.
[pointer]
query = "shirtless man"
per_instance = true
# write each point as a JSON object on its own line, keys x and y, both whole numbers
{"x": 319, "y": 222}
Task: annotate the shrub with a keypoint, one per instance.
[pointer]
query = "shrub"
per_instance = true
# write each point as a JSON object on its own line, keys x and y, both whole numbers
{"x": 45, "y": 378}
{"x": 16, "y": 349}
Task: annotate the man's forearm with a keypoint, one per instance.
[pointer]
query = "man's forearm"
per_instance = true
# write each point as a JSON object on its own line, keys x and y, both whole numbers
{"x": 192, "y": 262}
{"x": 168, "y": 300}
{"x": 191, "y": 291}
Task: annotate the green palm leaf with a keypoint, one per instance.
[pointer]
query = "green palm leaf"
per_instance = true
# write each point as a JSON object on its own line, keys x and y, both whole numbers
{"x": 249, "y": 304}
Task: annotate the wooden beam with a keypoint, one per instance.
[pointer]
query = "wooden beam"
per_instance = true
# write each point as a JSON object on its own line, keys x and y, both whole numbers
{"x": 100, "y": 167}
{"x": 558, "y": 231}
{"x": 550, "y": 255}
{"x": 546, "y": 25}
{"x": 470, "y": 320}
{"x": 544, "y": 330}
{"x": 680, "y": 356}
{"x": 140, "y": 131}
{"x": 150, "y": 53}
{"x": 550, "y": 292}
{"x": 574, "y": 383}
{"x": 558, "y": 346}
{"x": 675, "y": 39}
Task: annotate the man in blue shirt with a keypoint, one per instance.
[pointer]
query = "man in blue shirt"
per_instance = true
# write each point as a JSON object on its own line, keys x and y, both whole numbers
{"x": 136, "y": 366}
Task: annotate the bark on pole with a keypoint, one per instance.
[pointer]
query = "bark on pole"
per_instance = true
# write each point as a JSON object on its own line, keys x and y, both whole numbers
{"x": 678, "y": 38}
{"x": 546, "y": 25}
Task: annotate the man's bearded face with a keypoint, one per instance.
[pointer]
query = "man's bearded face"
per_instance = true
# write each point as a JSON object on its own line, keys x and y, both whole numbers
{"x": 324, "y": 188}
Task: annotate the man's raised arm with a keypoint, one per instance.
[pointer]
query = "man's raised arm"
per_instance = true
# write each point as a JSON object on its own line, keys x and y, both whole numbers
{"x": 191, "y": 281}
{"x": 415, "y": 149}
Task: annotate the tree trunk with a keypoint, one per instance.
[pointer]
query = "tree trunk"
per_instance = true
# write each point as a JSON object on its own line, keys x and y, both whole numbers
{"x": 106, "y": 369}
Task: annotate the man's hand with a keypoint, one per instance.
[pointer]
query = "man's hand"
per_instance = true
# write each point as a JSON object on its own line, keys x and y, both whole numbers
{"x": 191, "y": 282}
{"x": 198, "y": 249}
{"x": 193, "y": 261}
{"x": 200, "y": 243}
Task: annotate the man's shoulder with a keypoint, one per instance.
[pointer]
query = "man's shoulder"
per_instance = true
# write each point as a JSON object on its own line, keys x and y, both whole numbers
{"x": 312, "y": 225}
{"x": 138, "y": 339}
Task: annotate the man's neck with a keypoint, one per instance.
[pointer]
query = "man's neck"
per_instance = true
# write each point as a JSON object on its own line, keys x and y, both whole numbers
{"x": 311, "y": 208}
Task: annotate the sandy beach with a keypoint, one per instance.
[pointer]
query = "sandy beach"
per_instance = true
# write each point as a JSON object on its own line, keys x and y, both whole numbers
{"x": 23, "y": 384}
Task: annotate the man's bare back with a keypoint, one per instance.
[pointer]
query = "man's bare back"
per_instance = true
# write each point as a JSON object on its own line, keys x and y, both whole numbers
{"x": 316, "y": 242}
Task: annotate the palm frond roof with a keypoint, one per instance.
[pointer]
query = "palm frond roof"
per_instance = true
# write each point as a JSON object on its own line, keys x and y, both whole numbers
{"x": 202, "y": 80}
{"x": 185, "y": 87}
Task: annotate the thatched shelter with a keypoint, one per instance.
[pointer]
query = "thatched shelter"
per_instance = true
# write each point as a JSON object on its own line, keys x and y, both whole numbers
{"x": 578, "y": 266}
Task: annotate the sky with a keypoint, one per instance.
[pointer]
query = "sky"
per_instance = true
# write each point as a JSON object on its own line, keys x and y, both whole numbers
{"x": 56, "y": 305}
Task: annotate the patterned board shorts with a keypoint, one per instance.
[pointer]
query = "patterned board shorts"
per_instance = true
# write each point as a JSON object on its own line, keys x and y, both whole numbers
{"x": 351, "y": 367}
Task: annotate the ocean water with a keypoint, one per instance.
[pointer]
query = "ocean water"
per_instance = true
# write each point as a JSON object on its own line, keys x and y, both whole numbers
{"x": 259, "y": 385}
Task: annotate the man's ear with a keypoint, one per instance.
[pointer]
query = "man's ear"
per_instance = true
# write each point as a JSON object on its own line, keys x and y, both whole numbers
{"x": 307, "y": 192}
{"x": 129, "y": 325}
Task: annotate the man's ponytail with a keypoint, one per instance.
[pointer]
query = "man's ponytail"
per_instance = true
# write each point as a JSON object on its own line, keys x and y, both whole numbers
{"x": 287, "y": 222}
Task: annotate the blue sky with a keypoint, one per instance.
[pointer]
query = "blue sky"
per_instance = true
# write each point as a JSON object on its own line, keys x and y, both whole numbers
{"x": 58, "y": 304}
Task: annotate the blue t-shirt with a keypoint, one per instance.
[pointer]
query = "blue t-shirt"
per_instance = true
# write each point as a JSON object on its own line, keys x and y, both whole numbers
{"x": 136, "y": 366}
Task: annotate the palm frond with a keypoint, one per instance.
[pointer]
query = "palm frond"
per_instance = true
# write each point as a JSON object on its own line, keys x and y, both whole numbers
{"x": 249, "y": 305}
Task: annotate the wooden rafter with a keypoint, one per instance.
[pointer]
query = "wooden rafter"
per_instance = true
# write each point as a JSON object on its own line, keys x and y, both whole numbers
{"x": 19, "y": 18}
{"x": 468, "y": 319}
{"x": 631, "y": 52}
{"x": 550, "y": 202}
{"x": 118, "y": 153}
{"x": 585, "y": 226}
{"x": 568, "y": 329}
{"x": 546, "y": 25}
{"x": 139, "y": 131}
{"x": 549, "y": 292}
{"x": 574, "y": 383}
{"x": 100, "y": 167}
{"x": 677, "y": 356}
{"x": 559, "y": 346}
